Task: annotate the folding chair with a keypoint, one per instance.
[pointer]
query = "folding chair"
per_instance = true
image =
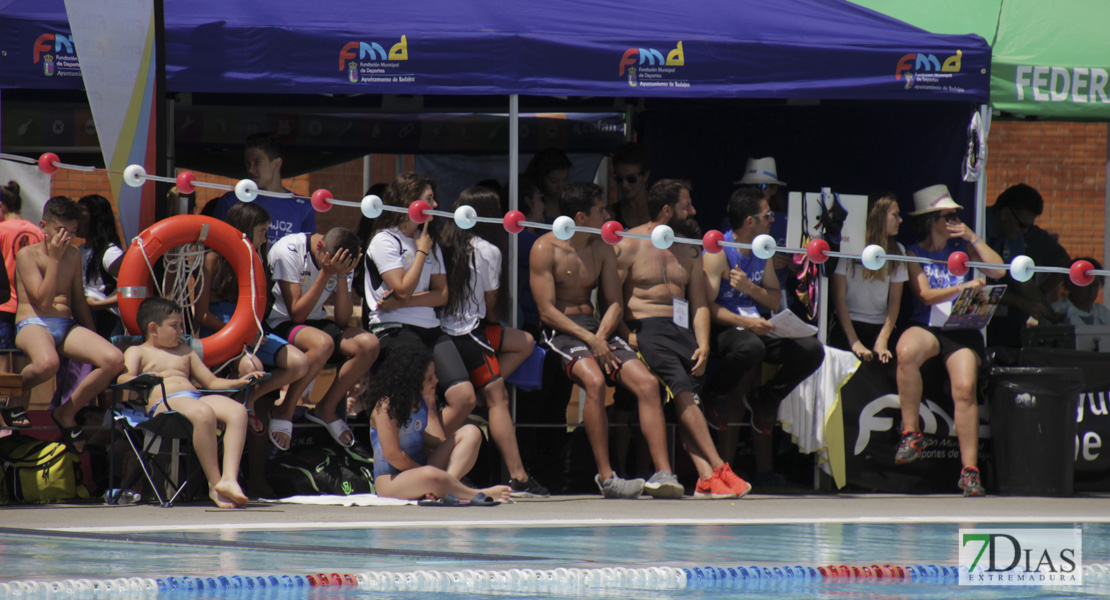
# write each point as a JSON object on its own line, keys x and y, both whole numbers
{"x": 169, "y": 427}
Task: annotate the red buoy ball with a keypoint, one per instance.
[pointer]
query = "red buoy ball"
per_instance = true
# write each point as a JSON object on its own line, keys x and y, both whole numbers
{"x": 609, "y": 232}
{"x": 513, "y": 220}
{"x": 46, "y": 163}
{"x": 815, "y": 251}
{"x": 711, "y": 241}
{"x": 321, "y": 200}
{"x": 186, "y": 182}
{"x": 1080, "y": 273}
{"x": 417, "y": 210}
{"x": 957, "y": 264}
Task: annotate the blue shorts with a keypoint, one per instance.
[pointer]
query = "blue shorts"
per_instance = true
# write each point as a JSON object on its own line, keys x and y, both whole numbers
{"x": 59, "y": 327}
{"x": 267, "y": 350}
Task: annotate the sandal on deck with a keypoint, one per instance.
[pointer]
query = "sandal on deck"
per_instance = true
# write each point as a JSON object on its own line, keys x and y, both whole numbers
{"x": 281, "y": 426}
{"x": 335, "y": 428}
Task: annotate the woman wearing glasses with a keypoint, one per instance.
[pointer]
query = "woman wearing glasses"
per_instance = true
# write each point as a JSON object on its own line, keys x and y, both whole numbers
{"x": 940, "y": 233}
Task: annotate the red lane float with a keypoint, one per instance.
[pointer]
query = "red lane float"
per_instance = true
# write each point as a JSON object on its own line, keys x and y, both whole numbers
{"x": 135, "y": 281}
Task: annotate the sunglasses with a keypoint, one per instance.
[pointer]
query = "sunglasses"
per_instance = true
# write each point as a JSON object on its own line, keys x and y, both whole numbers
{"x": 951, "y": 217}
{"x": 763, "y": 215}
{"x": 629, "y": 179}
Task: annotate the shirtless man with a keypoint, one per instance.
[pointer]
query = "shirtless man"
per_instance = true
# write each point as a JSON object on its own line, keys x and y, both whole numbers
{"x": 163, "y": 355}
{"x": 563, "y": 276}
{"x": 663, "y": 289}
{"x": 53, "y": 318}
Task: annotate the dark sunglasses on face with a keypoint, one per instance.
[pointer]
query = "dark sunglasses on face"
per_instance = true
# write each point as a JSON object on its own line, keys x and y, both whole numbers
{"x": 951, "y": 217}
{"x": 630, "y": 179}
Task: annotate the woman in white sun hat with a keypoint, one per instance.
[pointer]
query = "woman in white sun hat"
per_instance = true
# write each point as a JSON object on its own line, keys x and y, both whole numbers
{"x": 941, "y": 233}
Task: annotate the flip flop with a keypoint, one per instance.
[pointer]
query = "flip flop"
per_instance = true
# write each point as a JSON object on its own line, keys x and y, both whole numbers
{"x": 335, "y": 428}
{"x": 449, "y": 500}
{"x": 71, "y": 436}
{"x": 15, "y": 418}
{"x": 280, "y": 426}
{"x": 254, "y": 424}
{"x": 481, "y": 499}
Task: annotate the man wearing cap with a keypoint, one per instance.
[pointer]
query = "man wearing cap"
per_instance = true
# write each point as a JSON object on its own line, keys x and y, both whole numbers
{"x": 738, "y": 283}
{"x": 762, "y": 173}
{"x": 941, "y": 233}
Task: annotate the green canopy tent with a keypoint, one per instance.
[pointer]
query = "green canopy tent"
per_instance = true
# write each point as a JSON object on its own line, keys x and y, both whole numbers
{"x": 1049, "y": 60}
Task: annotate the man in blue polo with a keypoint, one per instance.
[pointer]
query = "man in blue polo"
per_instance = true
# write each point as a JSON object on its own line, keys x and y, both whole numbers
{"x": 262, "y": 155}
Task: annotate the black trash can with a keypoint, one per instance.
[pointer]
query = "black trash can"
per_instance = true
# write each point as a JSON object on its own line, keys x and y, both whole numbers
{"x": 1032, "y": 417}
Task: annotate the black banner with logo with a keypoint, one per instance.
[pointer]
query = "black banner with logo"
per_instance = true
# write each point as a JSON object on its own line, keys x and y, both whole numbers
{"x": 1092, "y": 459}
{"x": 873, "y": 426}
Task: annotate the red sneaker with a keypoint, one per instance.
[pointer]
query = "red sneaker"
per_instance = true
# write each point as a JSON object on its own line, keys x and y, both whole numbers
{"x": 732, "y": 480}
{"x": 713, "y": 488}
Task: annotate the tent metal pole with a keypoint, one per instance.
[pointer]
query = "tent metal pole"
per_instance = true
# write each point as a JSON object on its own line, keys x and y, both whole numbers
{"x": 981, "y": 183}
{"x": 514, "y": 202}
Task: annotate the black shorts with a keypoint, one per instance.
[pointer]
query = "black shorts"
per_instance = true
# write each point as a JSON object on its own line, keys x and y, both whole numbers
{"x": 957, "y": 339}
{"x": 571, "y": 349}
{"x": 667, "y": 348}
{"x": 450, "y": 368}
{"x": 478, "y": 350}
{"x": 288, "y": 330}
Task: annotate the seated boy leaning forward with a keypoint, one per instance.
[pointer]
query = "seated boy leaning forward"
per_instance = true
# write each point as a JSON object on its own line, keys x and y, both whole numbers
{"x": 53, "y": 318}
{"x": 563, "y": 276}
{"x": 164, "y": 355}
{"x": 307, "y": 270}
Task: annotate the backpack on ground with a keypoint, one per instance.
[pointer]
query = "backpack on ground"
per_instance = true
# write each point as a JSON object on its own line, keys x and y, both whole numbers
{"x": 316, "y": 470}
{"x": 38, "y": 471}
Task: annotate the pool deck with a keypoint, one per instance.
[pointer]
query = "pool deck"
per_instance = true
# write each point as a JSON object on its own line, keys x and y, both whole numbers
{"x": 565, "y": 511}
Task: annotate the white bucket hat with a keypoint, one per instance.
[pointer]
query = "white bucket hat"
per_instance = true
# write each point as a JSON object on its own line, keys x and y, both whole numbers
{"x": 761, "y": 170}
{"x": 932, "y": 198}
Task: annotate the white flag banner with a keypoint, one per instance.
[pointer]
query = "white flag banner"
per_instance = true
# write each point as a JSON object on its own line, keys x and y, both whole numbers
{"x": 115, "y": 41}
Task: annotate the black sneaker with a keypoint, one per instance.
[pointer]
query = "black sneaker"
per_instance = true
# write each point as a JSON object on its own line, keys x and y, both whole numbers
{"x": 910, "y": 447}
{"x": 527, "y": 489}
{"x": 970, "y": 484}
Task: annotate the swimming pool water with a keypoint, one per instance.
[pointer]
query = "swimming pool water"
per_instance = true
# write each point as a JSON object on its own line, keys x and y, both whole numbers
{"x": 51, "y": 556}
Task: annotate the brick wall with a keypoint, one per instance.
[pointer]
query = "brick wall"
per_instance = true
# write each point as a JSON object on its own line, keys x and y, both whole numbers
{"x": 1066, "y": 162}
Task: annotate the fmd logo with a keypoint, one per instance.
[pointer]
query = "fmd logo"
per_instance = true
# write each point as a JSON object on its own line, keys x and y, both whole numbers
{"x": 57, "y": 54}
{"x": 927, "y": 72}
{"x": 368, "y": 62}
{"x": 648, "y": 67}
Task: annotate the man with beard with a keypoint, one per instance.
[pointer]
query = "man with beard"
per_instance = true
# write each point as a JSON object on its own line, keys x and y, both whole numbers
{"x": 738, "y": 283}
{"x": 667, "y": 314}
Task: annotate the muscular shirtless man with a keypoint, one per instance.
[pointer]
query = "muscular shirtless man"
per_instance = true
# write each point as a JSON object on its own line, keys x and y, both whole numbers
{"x": 563, "y": 276}
{"x": 668, "y": 315}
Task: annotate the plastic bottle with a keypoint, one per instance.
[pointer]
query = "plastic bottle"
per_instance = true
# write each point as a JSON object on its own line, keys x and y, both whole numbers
{"x": 120, "y": 497}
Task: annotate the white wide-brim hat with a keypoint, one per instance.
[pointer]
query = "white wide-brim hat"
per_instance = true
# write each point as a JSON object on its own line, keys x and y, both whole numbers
{"x": 932, "y": 198}
{"x": 761, "y": 170}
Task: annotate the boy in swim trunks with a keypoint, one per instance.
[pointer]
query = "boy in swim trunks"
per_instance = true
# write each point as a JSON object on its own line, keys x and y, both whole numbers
{"x": 162, "y": 354}
{"x": 53, "y": 318}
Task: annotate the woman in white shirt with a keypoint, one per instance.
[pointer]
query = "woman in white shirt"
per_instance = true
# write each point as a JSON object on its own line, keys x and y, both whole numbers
{"x": 404, "y": 282}
{"x": 101, "y": 256}
{"x": 491, "y": 353}
{"x": 867, "y": 301}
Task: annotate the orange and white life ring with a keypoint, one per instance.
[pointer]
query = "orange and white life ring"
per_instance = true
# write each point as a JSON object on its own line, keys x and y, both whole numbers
{"x": 134, "y": 283}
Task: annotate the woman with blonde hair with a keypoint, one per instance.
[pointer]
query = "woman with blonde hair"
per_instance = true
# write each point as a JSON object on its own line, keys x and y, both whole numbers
{"x": 867, "y": 301}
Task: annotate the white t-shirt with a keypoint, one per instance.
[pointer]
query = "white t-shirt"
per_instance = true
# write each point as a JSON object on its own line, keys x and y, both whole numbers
{"x": 95, "y": 287}
{"x": 485, "y": 275}
{"x": 389, "y": 250}
{"x": 1099, "y": 315}
{"x": 867, "y": 297}
{"x": 291, "y": 261}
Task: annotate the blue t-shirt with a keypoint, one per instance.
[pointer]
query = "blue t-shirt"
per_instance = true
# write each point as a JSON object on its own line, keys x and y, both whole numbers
{"x": 938, "y": 274}
{"x": 728, "y": 296}
{"x": 287, "y": 215}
